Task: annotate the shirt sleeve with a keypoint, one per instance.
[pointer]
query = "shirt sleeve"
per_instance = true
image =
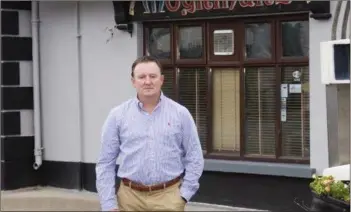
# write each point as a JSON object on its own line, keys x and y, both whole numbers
{"x": 194, "y": 160}
{"x": 106, "y": 163}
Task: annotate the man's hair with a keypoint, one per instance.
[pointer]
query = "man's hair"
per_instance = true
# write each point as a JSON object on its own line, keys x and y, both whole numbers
{"x": 146, "y": 59}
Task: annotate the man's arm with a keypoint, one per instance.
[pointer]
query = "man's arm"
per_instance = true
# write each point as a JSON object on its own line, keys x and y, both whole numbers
{"x": 106, "y": 164}
{"x": 194, "y": 160}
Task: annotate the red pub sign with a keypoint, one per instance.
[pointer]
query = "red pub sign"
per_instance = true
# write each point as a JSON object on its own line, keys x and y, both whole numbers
{"x": 168, "y": 9}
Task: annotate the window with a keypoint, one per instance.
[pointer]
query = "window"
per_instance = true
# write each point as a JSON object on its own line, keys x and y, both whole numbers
{"x": 168, "y": 83}
{"x": 295, "y": 129}
{"x": 190, "y": 42}
{"x": 245, "y": 82}
{"x": 342, "y": 61}
{"x": 260, "y": 111}
{"x": 295, "y": 38}
{"x": 258, "y": 40}
{"x": 160, "y": 43}
{"x": 192, "y": 94}
{"x": 226, "y": 110}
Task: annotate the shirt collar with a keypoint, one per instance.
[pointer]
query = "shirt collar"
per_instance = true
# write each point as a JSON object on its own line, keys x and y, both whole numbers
{"x": 140, "y": 104}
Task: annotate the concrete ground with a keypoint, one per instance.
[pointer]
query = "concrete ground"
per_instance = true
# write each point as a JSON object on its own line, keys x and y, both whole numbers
{"x": 51, "y": 199}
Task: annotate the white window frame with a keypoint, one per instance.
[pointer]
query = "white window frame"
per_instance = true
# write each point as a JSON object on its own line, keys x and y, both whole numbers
{"x": 327, "y": 61}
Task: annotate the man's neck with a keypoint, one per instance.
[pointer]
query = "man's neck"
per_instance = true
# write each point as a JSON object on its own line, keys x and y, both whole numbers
{"x": 149, "y": 102}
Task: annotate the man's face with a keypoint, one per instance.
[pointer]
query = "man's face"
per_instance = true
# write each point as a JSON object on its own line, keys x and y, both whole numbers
{"x": 147, "y": 79}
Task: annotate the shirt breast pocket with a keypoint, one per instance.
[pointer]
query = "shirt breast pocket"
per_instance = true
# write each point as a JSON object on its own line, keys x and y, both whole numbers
{"x": 172, "y": 136}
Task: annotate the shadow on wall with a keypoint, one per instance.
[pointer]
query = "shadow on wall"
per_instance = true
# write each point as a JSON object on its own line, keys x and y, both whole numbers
{"x": 343, "y": 124}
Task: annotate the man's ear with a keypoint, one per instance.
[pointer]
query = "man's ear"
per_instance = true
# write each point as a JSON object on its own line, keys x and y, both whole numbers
{"x": 133, "y": 81}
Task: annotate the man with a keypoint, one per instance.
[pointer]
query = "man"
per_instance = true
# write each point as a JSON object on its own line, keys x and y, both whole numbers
{"x": 158, "y": 145}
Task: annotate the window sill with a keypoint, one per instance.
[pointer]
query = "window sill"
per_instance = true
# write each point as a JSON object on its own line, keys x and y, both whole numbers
{"x": 261, "y": 168}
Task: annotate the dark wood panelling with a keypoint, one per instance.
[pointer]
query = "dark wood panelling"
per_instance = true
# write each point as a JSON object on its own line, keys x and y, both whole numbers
{"x": 10, "y": 73}
{"x": 10, "y": 123}
{"x": 16, "y": 98}
{"x": 19, "y": 5}
{"x": 16, "y": 48}
{"x": 17, "y": 148}
{"x": 18, "y": 174}
{"x": 9, "y": 23}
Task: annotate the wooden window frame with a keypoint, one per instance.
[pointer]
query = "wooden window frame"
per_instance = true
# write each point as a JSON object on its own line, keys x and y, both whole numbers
{"x": 187, "y": 62}
{"x": 211, "y": 62}
{"x": 214, "y": 60}
{"x": 146, "y": 33}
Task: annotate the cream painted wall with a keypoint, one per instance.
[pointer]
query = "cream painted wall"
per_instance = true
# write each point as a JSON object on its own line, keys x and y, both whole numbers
{"x": 105, "y": 77}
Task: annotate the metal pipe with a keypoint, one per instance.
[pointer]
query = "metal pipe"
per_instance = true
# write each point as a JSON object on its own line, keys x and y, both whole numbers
{"x": 38, "y": 149}
{"x": 80, "y": 81}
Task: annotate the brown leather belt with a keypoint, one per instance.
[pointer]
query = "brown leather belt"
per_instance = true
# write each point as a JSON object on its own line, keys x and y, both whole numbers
{"x": 141, "y": 187}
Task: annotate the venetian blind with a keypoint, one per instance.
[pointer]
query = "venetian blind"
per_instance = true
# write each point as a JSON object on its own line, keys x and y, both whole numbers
{"x": 192, "y": 94}
{"x": 260, "y": 111}
{"x": 168, "y": 83}
{"x": 226, "y": 110}
{"x": 295, "y": 130}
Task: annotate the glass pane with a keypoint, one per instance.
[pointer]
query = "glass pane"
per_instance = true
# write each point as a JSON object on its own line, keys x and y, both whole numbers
{"x": 193, "y": 95}
{"x": 190, "y": 42}
{"x": 260, "y": 111}
{"x": 160, "y": 43}
{"x": 168, "y": 83}
{"x": 295, "y": 123}
{"x": 226, "y": 110}
{"x": 342, "y": 61}
{"x": 258, "y": 40}
{"x": 223, "y": 42}
{"x": 295, "y": 38}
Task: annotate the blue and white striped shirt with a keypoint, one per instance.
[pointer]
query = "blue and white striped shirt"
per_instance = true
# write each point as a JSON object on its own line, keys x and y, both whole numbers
{"x": 153, "y": 148}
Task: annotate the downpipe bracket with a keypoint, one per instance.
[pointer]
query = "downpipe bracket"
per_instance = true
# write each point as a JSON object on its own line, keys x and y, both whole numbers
{"x": 38, "y": 152}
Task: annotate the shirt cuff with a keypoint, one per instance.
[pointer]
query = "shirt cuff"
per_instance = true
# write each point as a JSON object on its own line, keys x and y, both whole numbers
{"x": 186, "y": 194}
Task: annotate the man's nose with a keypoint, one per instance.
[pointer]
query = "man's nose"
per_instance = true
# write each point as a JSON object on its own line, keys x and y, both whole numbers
{"x": 147, "y": 80}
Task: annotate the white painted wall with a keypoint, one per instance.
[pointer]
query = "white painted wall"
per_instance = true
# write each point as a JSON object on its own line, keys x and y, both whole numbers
{"x": 319, "y": 31}
{"x": 105, "y": 74}
{"x": 106, "y": 79}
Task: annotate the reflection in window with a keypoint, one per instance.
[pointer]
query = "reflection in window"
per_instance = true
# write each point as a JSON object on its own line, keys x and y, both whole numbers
{"x": 258, "y": 40}
{"x": 160, "y": 43}
{"x": 342, "y": 61}
{"x": 295, "y": 38}
{"x": 190, "y": 42}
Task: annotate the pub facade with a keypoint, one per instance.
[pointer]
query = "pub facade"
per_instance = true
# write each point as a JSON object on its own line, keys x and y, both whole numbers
{"x": 244, "y": 75}
{"x": 242, "y": 68}
{"x": 248, "y": 71}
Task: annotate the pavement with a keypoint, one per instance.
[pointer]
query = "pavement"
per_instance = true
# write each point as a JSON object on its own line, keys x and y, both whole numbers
{"x": 51, "y": 199}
